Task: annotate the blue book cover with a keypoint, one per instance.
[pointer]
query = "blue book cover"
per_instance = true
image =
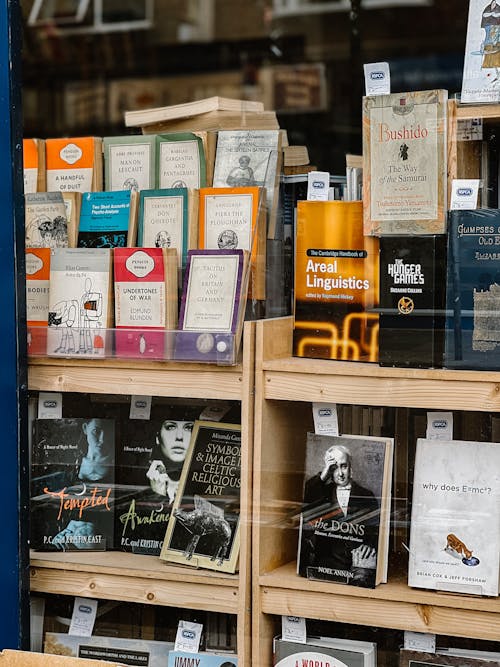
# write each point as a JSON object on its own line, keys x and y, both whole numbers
{"x": 185, "y": 659}
{"x": 106, "y": 219}
{"x": 473, "y": 290}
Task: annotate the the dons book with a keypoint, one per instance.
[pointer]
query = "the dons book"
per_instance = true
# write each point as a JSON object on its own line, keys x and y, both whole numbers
{"x": 344, "y": 523}
{"x": 324, "y": 652}
{"x": 454, "y": 539}
{"x": 336, "y": 283}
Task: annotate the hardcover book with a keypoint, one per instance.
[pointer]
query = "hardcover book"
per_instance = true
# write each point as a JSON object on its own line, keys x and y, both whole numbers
{"x": 336, "y": 283}
{"x": 454, "y": 542}
{"x": 145, "y": 300}
{"x": 236, "y": 218}
{"x": 212, "y": 305}
{"x": 74, "y": 164}
{"x": 185, "y": 659}
{"x": 324, "y": 652}
{"x": 72, "y": 476}
{"x": 34, "y": 165}
{"x": 204, "y": 527}
{"x": 80, "y": 302}
{"x": 37, "y": 298}
{"x": 344, "y": 523}
{"x": 448, "y": 658}
{"x": 246, "y": 158}
{"x": 180, "y": 159}
{"x": 108, "y": 219}
{"x": 404, "y": 163}
{"x": 169, "y": 219}
{"x": 46, "y": 225}
{"x": 479, "y": 83}
{"x": 473, "y": 290}
{"x": 129, "y": 163}
{"x": 412, "y": 301}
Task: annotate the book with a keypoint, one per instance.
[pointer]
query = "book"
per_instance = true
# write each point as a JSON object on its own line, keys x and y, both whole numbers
{"x": 73, "y": 204}
{"x": 404, "y": 163}
{"x": 180, "y": 161}
{"x": 454, "y": 540}
{"x": 185, "y": 659}
{"x": 190, "y": 109}
{"x": 294, "y": 156}
{"x": 74, "y": 164}
{"x": 145, "y": 282}
{"x": 37, "y": 298}
{"x": 46, "y": 225}
{"x": 354, "y": 177}
{"x": 250, "y": 158}
{"x": 321, "y": 650}
{"x": 473, "y": 290}
{"x": 344, "y": 523}
{"x": 129, "y": 163}
{"x": 448, "y": 657}
{"x": 204, "y": 526}
{"x": 80, "y": 302}
{"x": 412, "y": 301}
{"x": 481, "y": 54}
{"x": 212, "y": 305}
{"x": 336, "y": 283}
{"x": 236, "y": 218}
{"x": 136, "y": 651}
{"x": 169, "y": 219}
{"x": 34, "y": 165}
{"x": 215, "y": 121}
{"x": 72, "y": 476}
{"x": 108, "y": 219}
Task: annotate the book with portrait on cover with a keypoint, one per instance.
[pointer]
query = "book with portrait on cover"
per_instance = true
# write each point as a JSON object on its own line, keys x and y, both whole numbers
{"x": 324, "y": 652}
{"x": 344, "y": 523}
{"x": 204, "y": 527}
{"x": 404, "y": 163}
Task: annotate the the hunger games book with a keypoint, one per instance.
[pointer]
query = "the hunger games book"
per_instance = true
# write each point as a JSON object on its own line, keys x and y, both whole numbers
{"x": 74, "y": 164}
{"x": 72, "y": 478}
{"x": 412, "y": 301}
{"x": 180, "y": 161}
{"x": 404, "y": 163}
{"x": 204, "y": 527}
{"x": 34, "y": 165}
{"x": 454, "y": 539}
{"x": 324, "y": 652}
{"x": 473, "y": 290}
{"x": 336, "y": 283}
{"x": 129, "y": 163}
{"x": 108, "y": 219}
{"x": 344, "y": 523}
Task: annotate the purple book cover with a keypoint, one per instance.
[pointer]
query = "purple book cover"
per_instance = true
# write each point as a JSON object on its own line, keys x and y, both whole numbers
{"x": 210, "y": 305}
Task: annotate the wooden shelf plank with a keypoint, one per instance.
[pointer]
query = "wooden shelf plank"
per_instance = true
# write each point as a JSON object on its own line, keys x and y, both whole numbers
{"x": 485, "y": 111}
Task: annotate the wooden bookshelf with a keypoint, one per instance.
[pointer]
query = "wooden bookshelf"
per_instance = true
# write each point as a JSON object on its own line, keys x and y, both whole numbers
{"x": 128, "y": 577}
{"x": 284, "y": 387}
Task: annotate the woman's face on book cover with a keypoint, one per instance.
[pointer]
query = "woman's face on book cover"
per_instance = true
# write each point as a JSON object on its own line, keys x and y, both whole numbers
{"x": 98, "y": 444}
{"x": 174, "y": 439}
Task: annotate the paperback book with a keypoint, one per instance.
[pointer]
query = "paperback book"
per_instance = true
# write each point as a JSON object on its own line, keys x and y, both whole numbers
{"x": 454, "y": 545}
{"x": 72, "y": 477}
{"x": 74, "y": 164}
{"x": 344, "y": 523}
{"x": 73, "y": 204}
{"x": 185, "y": 659}
{"x": 108, "y": 219}
{"x": 180, "y": 160}
{"x": 480, "y": 82}
{"x": 404, "y": 163}
{"x": 204, "y": 527}
{"x": 336, "y": 283}
{"x": 37, "y": 298}
{"x": 324, "y": 652}
{"x": 129, "y": 163}
{"x": 46, "y": 224}
{"x": 448, "y": 657}
{"x": 34, "y": 165}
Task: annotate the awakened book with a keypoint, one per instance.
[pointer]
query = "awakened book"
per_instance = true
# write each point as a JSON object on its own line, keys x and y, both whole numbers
{"x": 324, "y": 652}
{"x": 344, "y": 523}
{"x": 336, "y": 283}
{"x": 46, "y": 224}
{"x": 74, "y": 164}
{"x": 480, "y": 81}
{"x": 108, "y": 219}
{"x": 129, "y": 163}
{"x": 454, "y": 538}
{"x": 180, "y": 161}
{"x": 404, "y": 163}
{"x": 204, "y": 527}
{"x": 473, "y": 290}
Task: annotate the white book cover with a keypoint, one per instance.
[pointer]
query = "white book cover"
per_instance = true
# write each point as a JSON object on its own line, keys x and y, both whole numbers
{"x": 481, "y": 76}
{"x": 454, "y": 539}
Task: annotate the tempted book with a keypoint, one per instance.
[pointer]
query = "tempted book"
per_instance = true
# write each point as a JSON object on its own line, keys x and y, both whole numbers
{"x": 344, "y": 523}
{"x": 129, "y": 163}
{"x": 336, "y": 283}
{"x": 46, "y": 224}
{"x": 454, "y": 538}
{"x": 74, "y": 164}
{"x": 404, "y": 163}
{"x": 204, "y": 527}
{"x": 180, "y": 161}
{"x": 108, "y": 219}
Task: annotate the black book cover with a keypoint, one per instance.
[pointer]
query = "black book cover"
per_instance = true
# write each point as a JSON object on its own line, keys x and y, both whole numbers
{"x": 72, "y": 484}
{"x": 473, "y": 290}
{"x": 412, "y": 301}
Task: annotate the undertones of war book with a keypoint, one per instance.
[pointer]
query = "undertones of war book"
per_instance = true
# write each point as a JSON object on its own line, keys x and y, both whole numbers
{"x": 454, "y": 538}
{"x": 404, "y": 163}
{"x": 204, "y": 527}
{"x": 344, "y": 523}
{"x": 74, "y": 164}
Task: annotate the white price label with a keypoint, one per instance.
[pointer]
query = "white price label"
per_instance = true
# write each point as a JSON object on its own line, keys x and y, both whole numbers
{"x": 188, "y": 636}
{"x": 318, "y": 185}
{"x": 325, "y": 418}
{"x": 439, "y": 426}
{"x": 420, "y": 641}
{"x": 140, "y": 407}
{"x": 464, "y": 193}
{"x": 377, "y": 78}
{"x": 83, "y": 618}
{"x": 293, "y": 629}
{"x": 49, "y": 405}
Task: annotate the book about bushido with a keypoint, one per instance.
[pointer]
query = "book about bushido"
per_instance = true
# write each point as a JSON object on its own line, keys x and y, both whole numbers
{"x": 336, "y": 283}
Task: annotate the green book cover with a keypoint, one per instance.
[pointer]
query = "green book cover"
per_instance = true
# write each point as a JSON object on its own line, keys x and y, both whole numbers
{"x": 180, "y": 161}
{"x": 129, "y": 162}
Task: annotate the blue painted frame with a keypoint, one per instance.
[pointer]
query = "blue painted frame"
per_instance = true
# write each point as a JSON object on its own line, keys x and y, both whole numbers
{"x": 14, "y": 478}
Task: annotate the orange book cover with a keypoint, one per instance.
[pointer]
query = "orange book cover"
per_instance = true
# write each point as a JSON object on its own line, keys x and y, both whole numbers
{"x": 37, "y": 298}
{"x": 235, "y": 218}
{"x": 73, "y": 164}
{"x": 34, "y": 165}
{"x": 336, "y": 283}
